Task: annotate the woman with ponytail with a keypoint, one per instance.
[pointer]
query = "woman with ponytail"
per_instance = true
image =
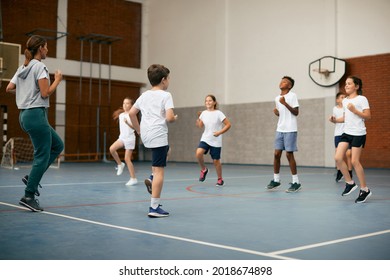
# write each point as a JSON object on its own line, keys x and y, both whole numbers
{"x": 32, "y": 87}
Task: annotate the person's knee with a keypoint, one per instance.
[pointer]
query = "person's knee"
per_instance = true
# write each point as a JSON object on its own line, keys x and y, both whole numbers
{"x": 277, "y": 154}
{"x": 59, "y": 147}
{"x": 199, "y": 153}
{"x": 112, "y": 149}
{"x": 290, "y": 156}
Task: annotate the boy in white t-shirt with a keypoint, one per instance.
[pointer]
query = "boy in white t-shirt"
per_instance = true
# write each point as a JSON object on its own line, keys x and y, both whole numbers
{"x": 287, "y": 109}
{"x": 156, "y": 107}
{"x": 338, "y": 112}
{"x": 215, "y": 124}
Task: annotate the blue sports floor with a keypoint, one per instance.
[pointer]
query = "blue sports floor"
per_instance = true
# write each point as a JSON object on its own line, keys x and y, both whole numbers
{"x": 91, "y": 215}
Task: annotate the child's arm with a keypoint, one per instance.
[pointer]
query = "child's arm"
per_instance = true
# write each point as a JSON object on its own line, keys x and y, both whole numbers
{"x": 227, "y": 126}
{"x": 294, "y": 111}
{"x": 134, "y": 120}
{"x": 129, "y": 124}
{"x": 366, "y": 114}
{"x": 333, "y": 119}
{"x": 170, "y": 115}
{"x": 199, "y": 122}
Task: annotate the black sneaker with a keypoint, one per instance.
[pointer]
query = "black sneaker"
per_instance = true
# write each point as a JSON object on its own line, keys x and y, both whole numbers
{"x": 220, "y": 183}
{"x": 294, "y": 187}
{"x": 349, "y": 188}
{"x": 363, "y": 196}
{"x": 339, "y": 176}
{"x": 25, "y": 180}
{"x": 272, "y": 185}
{"x": 203, "y": 174}
{"x": 30, "y": 203}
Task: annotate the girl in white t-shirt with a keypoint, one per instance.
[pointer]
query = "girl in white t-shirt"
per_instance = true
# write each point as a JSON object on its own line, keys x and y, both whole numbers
{"x": 215, "y": 123}
{"x": 356, "y": 112}
{"x": 125, "y": 140}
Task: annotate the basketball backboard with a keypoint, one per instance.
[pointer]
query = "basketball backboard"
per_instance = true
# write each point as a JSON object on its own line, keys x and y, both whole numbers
{"x": 327, "y": 71}
{"x": 9, "y": 60}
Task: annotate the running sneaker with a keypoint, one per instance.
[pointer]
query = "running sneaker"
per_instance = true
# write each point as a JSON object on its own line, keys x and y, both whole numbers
{"x": 203, "y": 174}
{"x": 273, "y": 185}
{"x": 294, "y": 187}
{"x": 157, "y": 213}
{"x": 148, "y": 183}
{"x": 349, "y": 188}
{"x": 339, "y": 176}
{"x": 120, "y": 169}
{"x": 132, "y": 182}
{"x": 220, "y": 183}
{"x": 30, "y": 203}
{"x": 363, "y": 196}
{"x": 25, "y": 181}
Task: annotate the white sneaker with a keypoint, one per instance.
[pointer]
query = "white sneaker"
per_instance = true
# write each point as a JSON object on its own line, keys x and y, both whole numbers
{"x": 120, "y": 169}
{"x": 132, "y": 182}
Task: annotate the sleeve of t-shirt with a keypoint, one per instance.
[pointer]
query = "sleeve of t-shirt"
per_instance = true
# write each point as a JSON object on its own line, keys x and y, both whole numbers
{"x": 365, "y": 104}
{"x": 294, "y": 101}
{"x": 137, "y": 103}
{"x": 14, "y": 78}
{"x": 169, "y": 102}
{"x": 221, "y": 116}
{"x": 42, "y": 71}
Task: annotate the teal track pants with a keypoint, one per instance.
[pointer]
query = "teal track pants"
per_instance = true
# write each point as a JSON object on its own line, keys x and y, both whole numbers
{"x": 47, "y": 144}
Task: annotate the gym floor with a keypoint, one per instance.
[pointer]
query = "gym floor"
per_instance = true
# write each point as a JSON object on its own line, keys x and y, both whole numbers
{"x": 90, "y": 214}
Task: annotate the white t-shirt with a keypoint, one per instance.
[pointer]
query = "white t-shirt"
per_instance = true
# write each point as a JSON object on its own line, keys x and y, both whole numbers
{"x": 125, "y": 131}
{"x": 153, "y": 128}
{"x": 287, "y": 121}
{"x": 213, "y": 121}
{"x": 354, "y": 125}
{"x": 339, "y": 127}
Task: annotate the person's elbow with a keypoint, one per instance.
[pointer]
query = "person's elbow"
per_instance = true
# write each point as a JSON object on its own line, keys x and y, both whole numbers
{"x": 10, "y": 88}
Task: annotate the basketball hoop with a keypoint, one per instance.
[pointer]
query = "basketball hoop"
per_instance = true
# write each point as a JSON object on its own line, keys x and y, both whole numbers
{"x": 324, "y": 72}
{"x": 327, "y": 71}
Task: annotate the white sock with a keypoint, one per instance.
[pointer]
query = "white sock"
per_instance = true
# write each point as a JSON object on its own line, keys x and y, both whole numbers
{"x": 365, "y": 189}
{"x": 276, "y": 178}
{"x": 154, "y": 202}
{"x": 295, "y": 179}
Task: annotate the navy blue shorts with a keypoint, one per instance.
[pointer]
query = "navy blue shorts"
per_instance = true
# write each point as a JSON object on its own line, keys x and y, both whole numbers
{"x": 159, "y": 156}
{"x": 337, "y": 140}
{"x": 215, "y": 152}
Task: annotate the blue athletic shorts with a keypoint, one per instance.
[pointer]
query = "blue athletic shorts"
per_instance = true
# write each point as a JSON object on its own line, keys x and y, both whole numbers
{"x": 337, "y": 140}
{"x": 286, "y": 141}
{"x": 215, "y": 152}
{"x": 159, "y": 156}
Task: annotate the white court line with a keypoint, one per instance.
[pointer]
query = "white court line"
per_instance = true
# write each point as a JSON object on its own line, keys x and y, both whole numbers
{"x": 237, "y": 249}
{"x": 119, "y": 182}
{"x": 280, "y": 252}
